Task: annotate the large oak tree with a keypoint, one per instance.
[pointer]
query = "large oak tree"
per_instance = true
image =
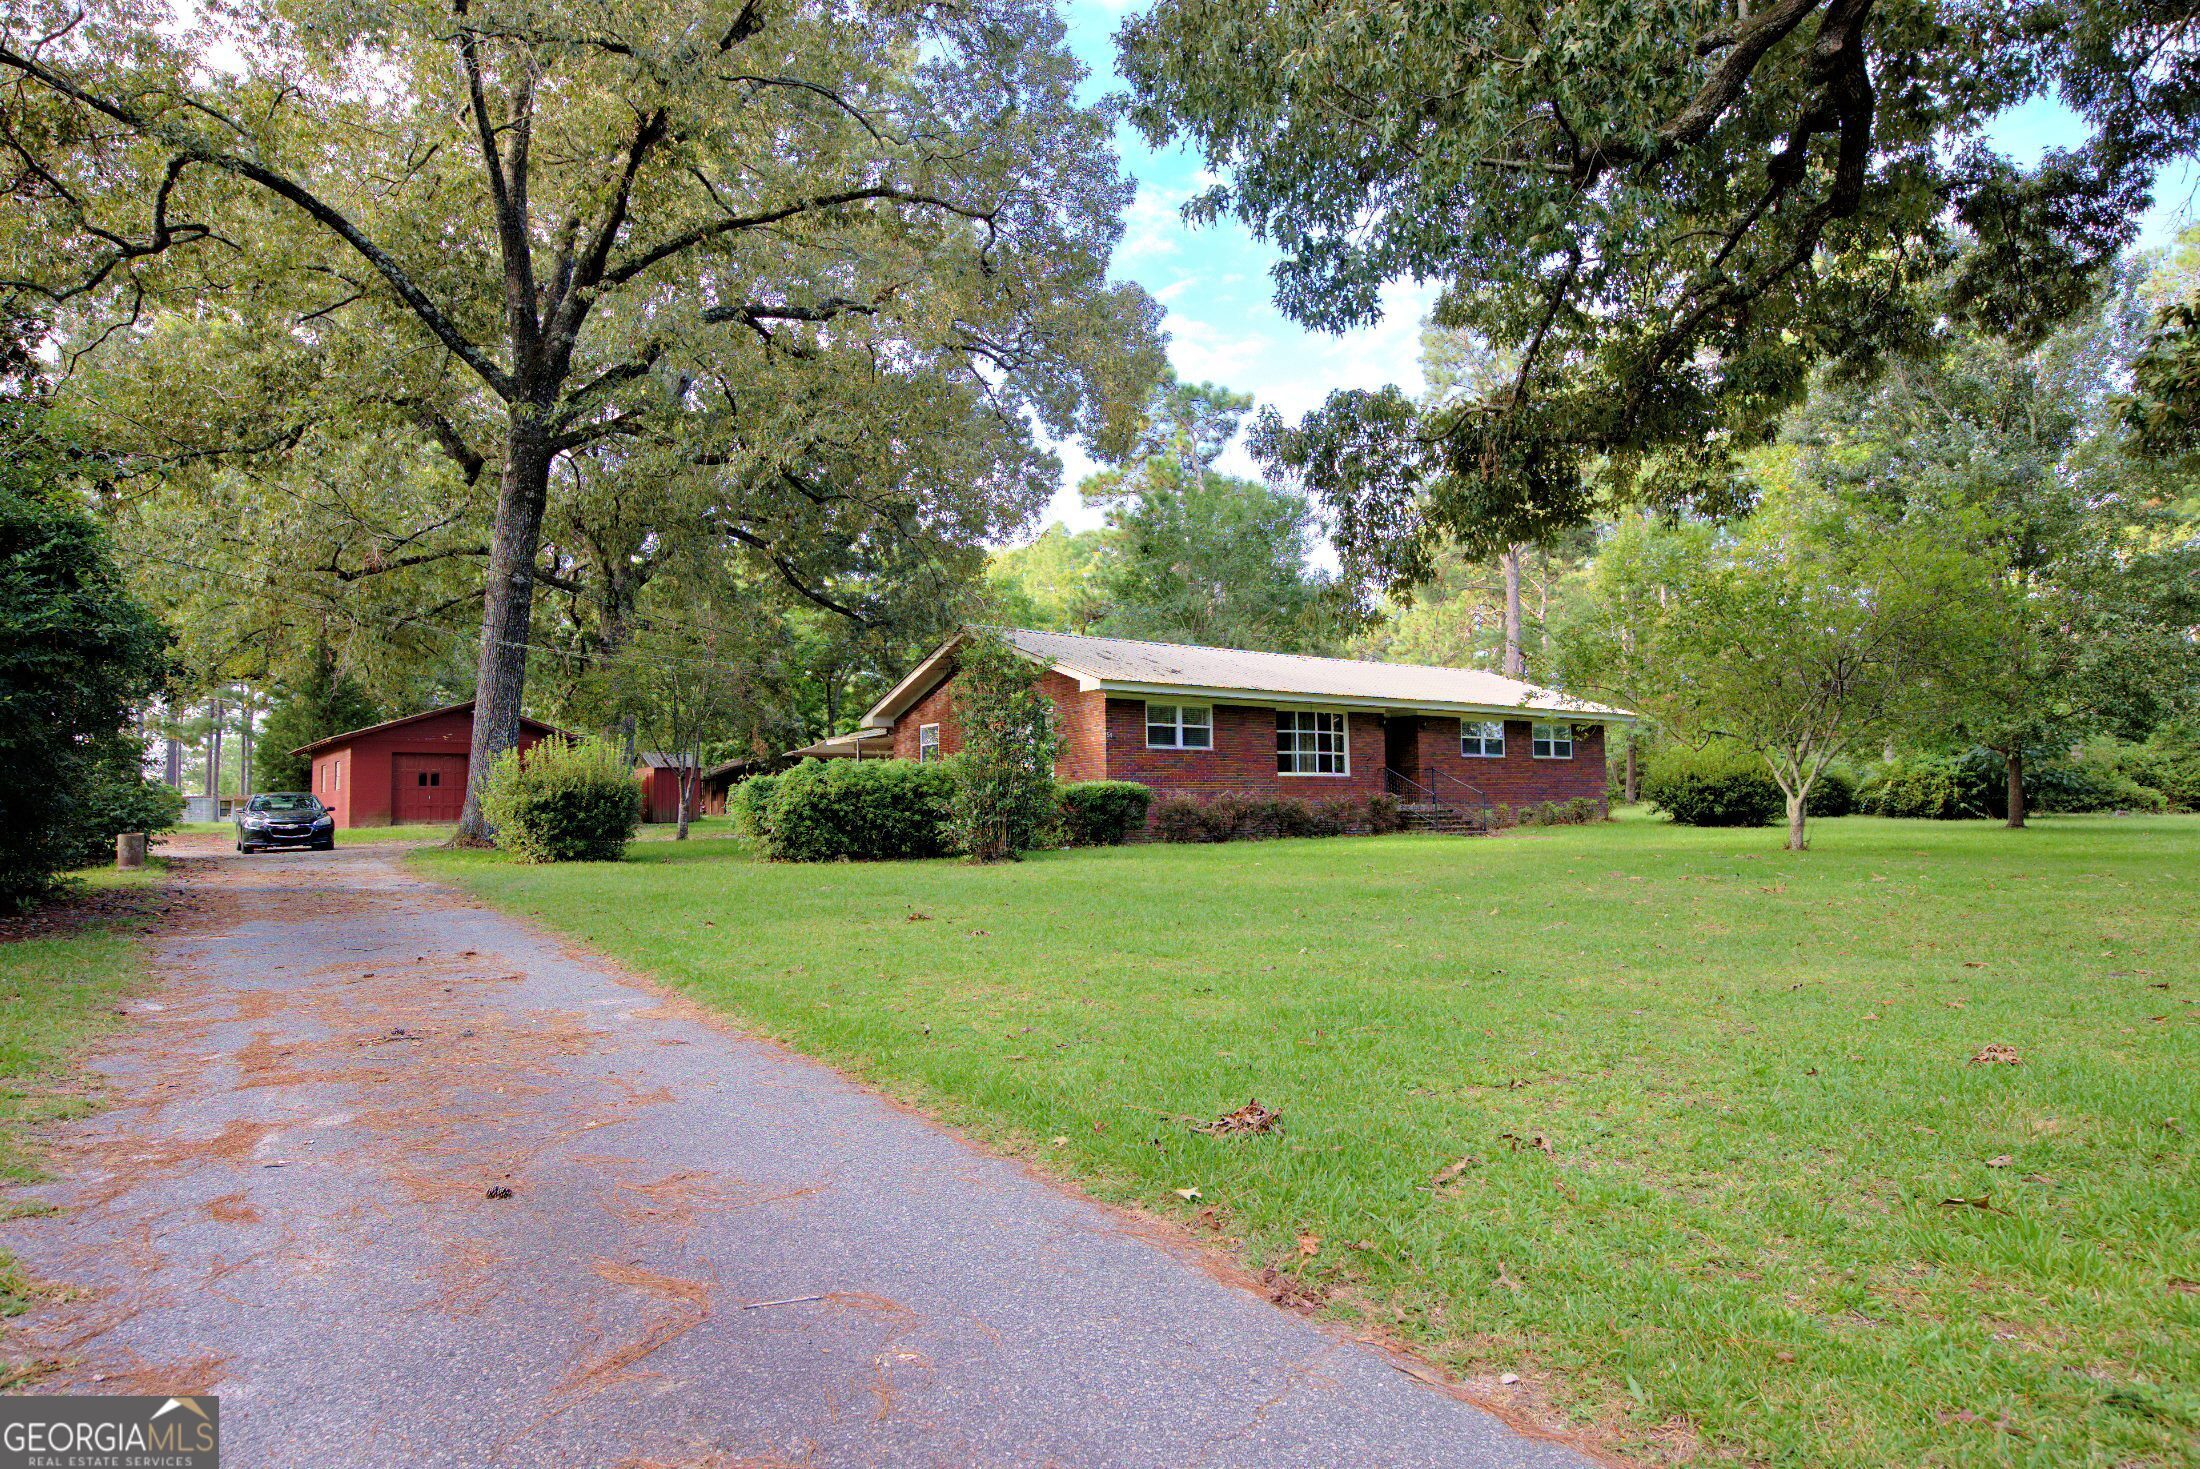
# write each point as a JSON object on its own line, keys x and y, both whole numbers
{"x": 823, "y": 267}
{"x": 1664, "y": 214}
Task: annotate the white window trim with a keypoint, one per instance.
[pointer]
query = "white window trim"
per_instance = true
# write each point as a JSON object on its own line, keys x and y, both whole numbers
{"x": 1499, "y": 754}
{"x": 1344, "y": 716}
{"x": 1535, "y": 739}
{"x": 1179, "y": 727}
{"x": 933, "y": 731}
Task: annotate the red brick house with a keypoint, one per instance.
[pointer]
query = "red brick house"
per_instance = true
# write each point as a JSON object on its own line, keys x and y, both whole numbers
{"x": 405, "y": 771}
{"x": 1197, "y": 721}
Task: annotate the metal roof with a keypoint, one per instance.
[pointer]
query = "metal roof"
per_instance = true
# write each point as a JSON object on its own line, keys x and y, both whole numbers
{"x": 349, "y": 735}
{"x": 1127, "y": 666}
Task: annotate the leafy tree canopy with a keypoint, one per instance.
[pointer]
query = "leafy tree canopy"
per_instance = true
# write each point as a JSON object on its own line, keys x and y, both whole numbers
{"x": 570, "y": 281}
{"x": 1663, "y": 217}
{"x": 1189, "y": 554}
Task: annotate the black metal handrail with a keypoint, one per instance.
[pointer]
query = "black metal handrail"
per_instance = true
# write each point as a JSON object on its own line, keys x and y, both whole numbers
{"x": 1405, "y": 787}
{"x": 1480, "y": 798}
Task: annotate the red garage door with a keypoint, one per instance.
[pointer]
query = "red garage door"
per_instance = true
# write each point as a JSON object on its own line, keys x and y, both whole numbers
{"x": 427, "y": 788}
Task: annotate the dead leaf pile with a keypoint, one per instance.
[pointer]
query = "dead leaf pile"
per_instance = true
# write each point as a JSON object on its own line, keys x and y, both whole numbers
{"x": 1997, "y": 1054}
{"x": 1252, "y": 1117}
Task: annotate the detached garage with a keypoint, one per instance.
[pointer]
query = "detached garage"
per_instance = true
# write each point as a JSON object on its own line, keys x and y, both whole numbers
{"x": 407, "y": 772}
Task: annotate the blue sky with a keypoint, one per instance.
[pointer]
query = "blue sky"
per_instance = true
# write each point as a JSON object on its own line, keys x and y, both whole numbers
{"x": 1222, "y": 321}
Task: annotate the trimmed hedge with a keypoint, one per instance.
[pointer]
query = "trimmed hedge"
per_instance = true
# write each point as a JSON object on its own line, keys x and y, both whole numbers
{"x": 859, "y": 810}
{"x": 1713, "y": 787}
{"x": 1101, "y": 813}
{"x": 566, "y": 801}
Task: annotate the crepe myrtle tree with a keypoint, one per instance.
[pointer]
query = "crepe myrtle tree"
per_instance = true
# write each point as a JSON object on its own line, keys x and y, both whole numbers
{"x": 1662, "y": 215}
{"x": 537, "y": 232}
{"x": 1808, "y": 637}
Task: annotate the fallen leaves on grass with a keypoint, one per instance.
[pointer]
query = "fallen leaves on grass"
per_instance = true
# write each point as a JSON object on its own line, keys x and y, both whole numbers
{"x": 1997, "y": 1054}
{"x": 2000, "y": 1160}
{"x": 918, "y": 918}
{"x": 1189, "y": 1194}
{"x": 1983, "y": 1202}
{"x": 1451, "y": 1171}
{"x": 2183, "y": 1286}
{"x": 1537, "y": 1141}
{"x": 1310, "y": 1245}
{"x": 1288, "y": 1292}
{"x": 1252, "y": 1117}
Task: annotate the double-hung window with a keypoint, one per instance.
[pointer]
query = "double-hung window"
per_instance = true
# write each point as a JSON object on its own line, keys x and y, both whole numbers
{"x": 928, "y": 742}
{"x": 1554, "y": 742}
{"x": 1180, "y": 727}
{"x": 1311, "y": 742}
{"x": 1483, "y": 738}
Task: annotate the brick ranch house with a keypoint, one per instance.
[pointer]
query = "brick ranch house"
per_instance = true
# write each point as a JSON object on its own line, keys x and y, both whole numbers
{"x": 1202, "y": 722}
{"x": 404, "y": 771}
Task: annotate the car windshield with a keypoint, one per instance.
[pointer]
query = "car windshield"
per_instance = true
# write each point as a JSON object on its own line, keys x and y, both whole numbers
{"x": 283, "y": 803}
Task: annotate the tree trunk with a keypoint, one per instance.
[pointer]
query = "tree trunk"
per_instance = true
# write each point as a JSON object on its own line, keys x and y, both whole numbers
{"x": 627, "y": 735}
{"x": 2013, "y": 763}
{"x": 687, "y": 798}
{"x": 507, "y": 609}
{"x": 1515, "y": 664}
{"x": 1632, "y": 787}
{"x": 244, "y": 744}
{"x": 1796, "y": 843}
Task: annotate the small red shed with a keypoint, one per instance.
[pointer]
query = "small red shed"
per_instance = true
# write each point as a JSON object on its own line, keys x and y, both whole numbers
{"x": 409, "y": 771}
{"x": 659, "y": 776}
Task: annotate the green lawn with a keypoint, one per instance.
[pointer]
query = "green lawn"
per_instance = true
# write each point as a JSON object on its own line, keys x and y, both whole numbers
{"x": 366, "y": 836}
{"x": 1730, "y": 1175}
{"x": 59, "y": 989}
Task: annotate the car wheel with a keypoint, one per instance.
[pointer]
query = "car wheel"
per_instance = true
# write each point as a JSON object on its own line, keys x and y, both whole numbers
{"x": 327, "y": 846}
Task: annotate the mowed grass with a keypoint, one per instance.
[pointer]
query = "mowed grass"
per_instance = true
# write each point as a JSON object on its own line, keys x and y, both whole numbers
{"x": 58, "y": 992}
{"x": 368, "y": 836}
{"x": 1731, "y": 1177}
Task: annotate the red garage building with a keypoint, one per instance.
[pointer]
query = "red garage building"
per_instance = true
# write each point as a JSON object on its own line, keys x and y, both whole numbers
{"x": 405, "y": 772}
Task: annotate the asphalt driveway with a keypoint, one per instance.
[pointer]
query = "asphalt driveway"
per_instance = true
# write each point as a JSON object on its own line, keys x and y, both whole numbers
{"x": 406, "y": 1182}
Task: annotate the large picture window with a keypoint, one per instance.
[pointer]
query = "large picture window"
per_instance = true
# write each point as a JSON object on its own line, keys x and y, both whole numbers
{"x": 1180, "y": 727}
{"x": 928, "y": 742}
{"x": 1311, "y": 742}
{"x": 1554, "y": 742}
{"x": 1482, "y": 738}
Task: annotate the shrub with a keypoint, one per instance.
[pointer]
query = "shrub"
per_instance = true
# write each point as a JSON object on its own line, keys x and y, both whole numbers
{"x": 1928, "y": 788}
{"x": 1233, "y": 817}
{"x": 1337, "y": 816}
{"x": 860, "y": 810}
{"x": 1102, "y": 813}
{"x": 2072, "y": 787}
{"x": 1004, "y": 776}
{"x": 76, "y": 652}
{"x": 1717, "y": 786}
{"x": 750, "y": 804}
{"x": 1180, "y": 819}
{"x": 564, "y": 801}
{"x": 2168, "y": 762}
{"x": 115, "y": 797}
{"x": 1832, "y": 794}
